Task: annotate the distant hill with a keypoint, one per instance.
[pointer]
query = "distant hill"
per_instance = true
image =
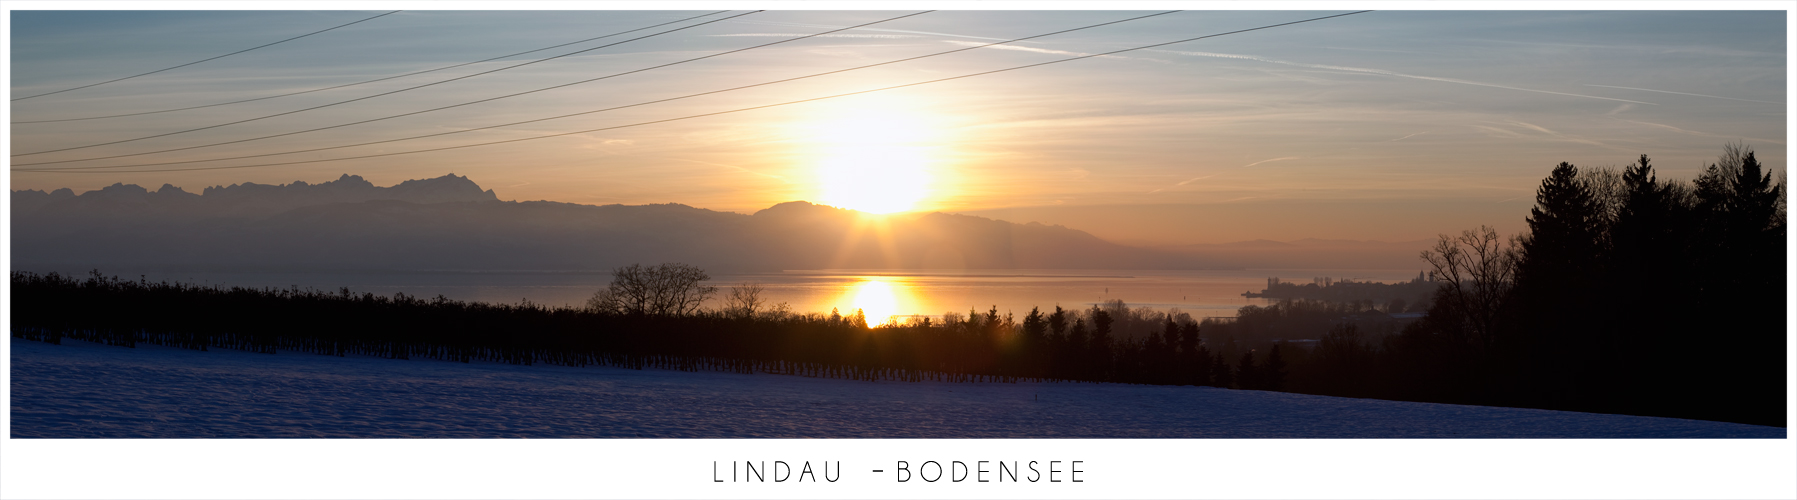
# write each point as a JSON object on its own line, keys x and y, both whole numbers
{"x": 450, "y": 223}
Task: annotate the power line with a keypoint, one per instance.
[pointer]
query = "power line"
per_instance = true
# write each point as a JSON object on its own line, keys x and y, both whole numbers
{"x": 389, "y": 92}
{"x": 478, "y": 101}
{"x": 204, "y": 60}
{"x": 559, "y": 116}
{"x": 334, "y": 87}
{"x": 926, "y": 82}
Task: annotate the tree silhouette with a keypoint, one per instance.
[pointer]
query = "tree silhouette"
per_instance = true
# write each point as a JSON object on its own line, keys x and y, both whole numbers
{"x": 1099, "y": 351}
{"x": 1247, "y": 375}
{"x": 670, "y": 289}
{"x": 1273, "y": 374}
{"x": 1561, "y": 259}
{"x": 1343, "y": 361}
{"x": 1035, "y": 343}
{"x": 744, "y": 300}
{"x": 1194, "y": 359}
{"x": 1221, "y": 374}
{"x": 1478, "y": 268}
{"x": 1079, "y": 347}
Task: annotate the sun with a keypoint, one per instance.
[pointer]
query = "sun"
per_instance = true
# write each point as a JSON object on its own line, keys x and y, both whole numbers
{"x": 875, "y": 161}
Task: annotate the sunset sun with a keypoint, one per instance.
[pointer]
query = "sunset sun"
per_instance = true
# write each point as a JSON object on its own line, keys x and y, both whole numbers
{"x": 874, "y": 161}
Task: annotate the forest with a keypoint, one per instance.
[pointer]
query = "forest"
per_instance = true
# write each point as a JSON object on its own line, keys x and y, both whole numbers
{"x": 1628, "y": 294}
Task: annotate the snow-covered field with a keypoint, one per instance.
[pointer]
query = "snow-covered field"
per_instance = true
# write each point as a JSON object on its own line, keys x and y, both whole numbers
{"x": 80, "y": 390}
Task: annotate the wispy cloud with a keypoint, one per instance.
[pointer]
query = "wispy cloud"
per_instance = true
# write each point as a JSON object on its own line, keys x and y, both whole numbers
{"x": 1550, "y": 134}
{"x": 737, "y": 168}
{"x": 1655, "y": 49}
{"x": 1407, "y": 137}
{"x": 1535, "y": 127}
{"x": 884, "y": 30}
{"x": 1499, "y": 132}
{"x": 1045, "y": 51}
{"x": 1699, "y": 134}
{"x": 831, "y": 35}
{"x": 1682, "y": 93}
{"x": 1374, "y": 71}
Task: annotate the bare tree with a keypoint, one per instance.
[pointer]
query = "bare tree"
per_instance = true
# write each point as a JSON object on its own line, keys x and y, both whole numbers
{"x": 1479, "y": 268}
{"x": 779, "y": 312}
{"x": 745, "y": 300}
{"x": 1607, "y": 189}
{"x": 670, "y": 289}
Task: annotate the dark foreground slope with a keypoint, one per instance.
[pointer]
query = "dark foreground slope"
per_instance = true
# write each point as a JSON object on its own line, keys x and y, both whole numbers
{"x": 82, "y": 390}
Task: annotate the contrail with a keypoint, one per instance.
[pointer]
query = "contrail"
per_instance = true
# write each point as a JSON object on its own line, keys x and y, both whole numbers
{"x": 1199, "y": 178}
{"x": 1389, "y": 73}
{"x": 1271, "y": 160}
{"x": 1282, "y": 158}
{"x": 1682, "y": 93}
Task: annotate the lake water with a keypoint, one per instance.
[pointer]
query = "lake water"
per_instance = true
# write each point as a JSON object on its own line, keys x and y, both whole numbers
{"x": 880, "y": 293}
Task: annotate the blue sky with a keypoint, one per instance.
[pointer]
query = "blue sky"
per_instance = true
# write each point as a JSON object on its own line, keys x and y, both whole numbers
{"x": 1386, "y": 125}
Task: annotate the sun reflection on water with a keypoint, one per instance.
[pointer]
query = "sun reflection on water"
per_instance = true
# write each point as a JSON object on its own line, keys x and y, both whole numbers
{"x": 877, "y": 298}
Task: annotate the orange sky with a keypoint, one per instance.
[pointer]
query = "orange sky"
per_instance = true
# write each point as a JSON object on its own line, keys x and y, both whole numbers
{"x": 1386, "y": 125}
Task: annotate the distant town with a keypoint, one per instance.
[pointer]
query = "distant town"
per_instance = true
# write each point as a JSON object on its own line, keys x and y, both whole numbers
{"x": 1346, "y": 290}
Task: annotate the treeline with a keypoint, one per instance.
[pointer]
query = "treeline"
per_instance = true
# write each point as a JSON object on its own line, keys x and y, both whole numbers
{"x": 1061, "y": 345}
{"x": 1629, "y": 294}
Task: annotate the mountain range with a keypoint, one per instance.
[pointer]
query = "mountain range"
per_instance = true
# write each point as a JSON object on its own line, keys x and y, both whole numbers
{"x": 450, "y": 224}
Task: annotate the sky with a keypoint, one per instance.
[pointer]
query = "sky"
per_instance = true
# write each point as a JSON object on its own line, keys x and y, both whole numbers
{"x": 1390, "y": 125}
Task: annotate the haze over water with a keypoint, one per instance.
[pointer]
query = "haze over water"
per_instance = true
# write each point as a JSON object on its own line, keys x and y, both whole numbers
{"x": 880, "y": 293}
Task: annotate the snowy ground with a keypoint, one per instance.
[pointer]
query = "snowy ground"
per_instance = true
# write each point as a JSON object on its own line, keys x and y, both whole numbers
{"x": 80, "y": 390}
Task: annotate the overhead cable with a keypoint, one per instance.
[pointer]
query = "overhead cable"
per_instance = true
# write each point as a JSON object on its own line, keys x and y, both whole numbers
{"x": 364, "y": 82}
{"x": 464, "y": 77}
{"x": 688, "y": 96}
{"x": 738, "y": 110}
{"x": 203, "y": 60}
{"x": 341, "y": 125}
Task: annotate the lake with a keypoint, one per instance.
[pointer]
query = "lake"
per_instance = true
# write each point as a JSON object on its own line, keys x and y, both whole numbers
{"x": 881, "y": 293}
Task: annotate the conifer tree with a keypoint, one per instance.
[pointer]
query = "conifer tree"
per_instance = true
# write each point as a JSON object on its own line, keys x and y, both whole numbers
{"x": 1079, "y": 345}
{"x": 1035, "y": 339}
{"x": 1190, "y": 370}
{"x": 1100, "y": 350}
{"x": 1560, "y": 266}
{"x": 1273, "y": 374}
{"x": 1247, "y": 376}
{"x": 1221, "y": 374}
